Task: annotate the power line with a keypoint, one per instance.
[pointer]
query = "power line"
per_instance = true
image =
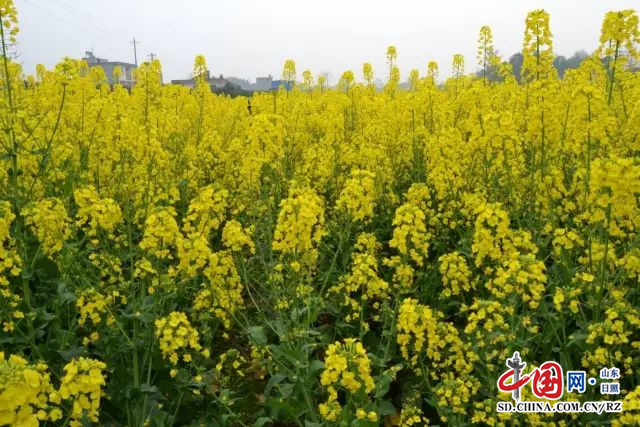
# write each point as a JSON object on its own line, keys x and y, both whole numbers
{"x": 48, "y": 12}
{"x": 80, "y": 16}
{"x": 67, "y": 5}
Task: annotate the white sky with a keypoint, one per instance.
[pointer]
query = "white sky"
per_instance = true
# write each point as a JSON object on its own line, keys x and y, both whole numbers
{"x": 250, "y": 38}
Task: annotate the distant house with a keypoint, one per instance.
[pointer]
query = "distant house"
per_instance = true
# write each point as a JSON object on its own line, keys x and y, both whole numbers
{"x": 275, "y": 84}
{"x": 126, "y": 69}
{"x": 263, "y": 83}
{"x": 266, "y": 84}
{"x": 243, "y": 83}
{"x": 632, "y": 64}
{"x": 217, "y": 84}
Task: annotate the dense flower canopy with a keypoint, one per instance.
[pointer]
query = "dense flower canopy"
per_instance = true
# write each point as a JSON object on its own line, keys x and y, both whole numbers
{"x": 335, "y": 256}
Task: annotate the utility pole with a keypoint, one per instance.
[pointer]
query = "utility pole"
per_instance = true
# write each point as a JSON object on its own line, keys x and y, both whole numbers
{"x": 152, "y": 56}
{"x": 135, "y": 52}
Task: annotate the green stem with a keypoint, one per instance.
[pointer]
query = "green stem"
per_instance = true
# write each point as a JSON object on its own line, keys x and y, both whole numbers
{"x": 13, "y": 176}
{"x": 47, "y": 151}
{"x": 612, "y": 76}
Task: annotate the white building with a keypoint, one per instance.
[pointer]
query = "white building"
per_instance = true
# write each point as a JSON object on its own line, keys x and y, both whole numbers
{"x": 126, "y": 69}
{"x": 263, "y": 83}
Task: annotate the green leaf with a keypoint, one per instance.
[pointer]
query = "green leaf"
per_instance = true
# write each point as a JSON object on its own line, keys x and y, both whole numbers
{"x": 257, "y": 335}
{"x": 386, "y": 408}
{"x": 72, "y": 353}
{"x": 277, "y": 378}
{"x": 316, "y": 365}
{"x": 148, "y": 388}
{"x": 286, "y": 390}
{"x": 262, "y": 421}
{"x": 292, "y": 355}
{"x": 46, "y": 268}
{"x": 383, "y": 385}
{"x": 64, "y": 295}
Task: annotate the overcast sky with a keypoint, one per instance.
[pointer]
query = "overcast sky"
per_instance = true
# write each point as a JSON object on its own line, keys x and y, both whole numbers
{"x": 250, "y": 38}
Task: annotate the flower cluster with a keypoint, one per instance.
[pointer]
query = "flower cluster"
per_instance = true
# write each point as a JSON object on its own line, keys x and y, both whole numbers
{"x": 425, "y": 338}
{"x": 620, "y": 30}
{"x": 615, "y": 338}
{"x": 221, "y": 293}
{"x": 422, "y": 332}
{"x": 491, "y": 230}
{"x": 230, "y": 362}
{"x": 417, "y": 326}
{"x": 358, "y": 197}
{"x": 455, "y": 274}
{"x": 631, "y": 408}
{"x": 537, "y": 47}
{"x": 207, "y": 211}
{"x": 94, "y": 308}
{"x": 410, "y": 233}
{"x": 50, "y": 224}
{"x": 614, "y": 187}
{"x": 176, "y": 336}
{"x": 161, "y": 233}
{"x": 97, "y": 214}
{"x": 9, "y": 267}
{"x": 347, "y": 367}
{"x": 485, "y": 316}
{"x": 362, "y": 285}
{"x": 572, "y": 293}
{"x": 520, "y": 274}
{"x": 567, "y": 240}
{"x": 411, "y": 415}
{"x": 82, "y": 383}
{"x": 300, "y": 224}
{"x": 630, "y": 262}
{"x": 488, "y": 329}
{"x": 235, "y": 237}
{"x": 508, "y": 257}
{"x": 9, "y": 259}
{"x": 24, "y": 393}
{"x": 193, "y": 254}
{"x": 92, "y": 305}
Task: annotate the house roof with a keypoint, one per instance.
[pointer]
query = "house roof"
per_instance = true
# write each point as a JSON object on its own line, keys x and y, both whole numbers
{"x": 127, "y": 64}
{"x": 94, "y": 60}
